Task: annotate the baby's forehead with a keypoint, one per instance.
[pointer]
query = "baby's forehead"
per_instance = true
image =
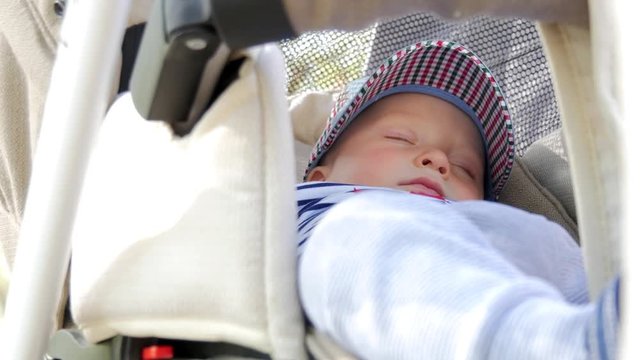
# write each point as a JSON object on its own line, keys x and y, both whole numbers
{"x": 421, "y": 109}
{"x": 411, "y": 100}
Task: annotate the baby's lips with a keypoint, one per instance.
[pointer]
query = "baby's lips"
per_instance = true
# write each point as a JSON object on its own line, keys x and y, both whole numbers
{"x": 431, "y": 193}
{"x": 424, "y": 186}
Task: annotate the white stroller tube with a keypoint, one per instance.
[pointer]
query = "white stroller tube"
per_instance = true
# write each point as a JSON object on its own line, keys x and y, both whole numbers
{"x": 81, "y": 84}
{"x": 626, "y": 15}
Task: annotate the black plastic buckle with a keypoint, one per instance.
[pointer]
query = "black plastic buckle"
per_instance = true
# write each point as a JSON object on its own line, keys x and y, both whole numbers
{"x": 184, "y": 40}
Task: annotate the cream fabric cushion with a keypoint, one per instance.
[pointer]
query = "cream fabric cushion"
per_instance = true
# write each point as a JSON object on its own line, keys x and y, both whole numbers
{"x": 194, "y": 238}
{"x": 588, "y": 99}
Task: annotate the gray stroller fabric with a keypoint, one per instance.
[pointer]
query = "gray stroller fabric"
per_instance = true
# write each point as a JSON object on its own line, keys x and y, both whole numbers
{"x": 511, "y": 48}
{"x": 547, "y": 162}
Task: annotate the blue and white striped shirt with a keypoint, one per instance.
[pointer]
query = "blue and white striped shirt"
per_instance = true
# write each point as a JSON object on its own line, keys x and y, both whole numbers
{"x": 316, "y": 197}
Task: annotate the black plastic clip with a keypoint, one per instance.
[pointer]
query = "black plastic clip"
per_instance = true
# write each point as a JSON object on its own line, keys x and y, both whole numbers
{"x": 185, "y": 48}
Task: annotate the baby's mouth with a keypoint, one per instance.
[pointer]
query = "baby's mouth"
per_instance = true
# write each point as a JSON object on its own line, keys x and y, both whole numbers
{"x": 423, "y": 186}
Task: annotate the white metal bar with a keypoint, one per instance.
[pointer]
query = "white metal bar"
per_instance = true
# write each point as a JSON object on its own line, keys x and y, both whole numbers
{"x": 81, "y": 83}
{"x": 592, "y": 139}
{"x": 628, "y": 27}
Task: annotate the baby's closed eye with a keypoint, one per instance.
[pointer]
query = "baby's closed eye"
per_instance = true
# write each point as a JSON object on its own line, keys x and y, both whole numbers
{"x": 466, "y": 170}
{"x": 401, "y": 136}
{"x": 468, "y": 165}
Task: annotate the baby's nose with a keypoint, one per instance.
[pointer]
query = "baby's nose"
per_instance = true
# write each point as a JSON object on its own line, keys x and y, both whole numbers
{"x": 436, "y": 160}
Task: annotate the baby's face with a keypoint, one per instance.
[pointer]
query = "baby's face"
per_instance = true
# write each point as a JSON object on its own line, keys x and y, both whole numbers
{"x": 413, "y": 142}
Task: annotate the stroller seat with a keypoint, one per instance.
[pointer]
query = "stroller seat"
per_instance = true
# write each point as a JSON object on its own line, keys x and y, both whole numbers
{"x": 193, "y": 238}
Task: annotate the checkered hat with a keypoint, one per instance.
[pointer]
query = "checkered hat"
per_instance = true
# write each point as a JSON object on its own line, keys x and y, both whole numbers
{"x": 445, "y": 70}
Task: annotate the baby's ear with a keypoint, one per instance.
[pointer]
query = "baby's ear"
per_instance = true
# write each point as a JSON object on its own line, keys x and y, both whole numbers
{"x": 318, "y": 173}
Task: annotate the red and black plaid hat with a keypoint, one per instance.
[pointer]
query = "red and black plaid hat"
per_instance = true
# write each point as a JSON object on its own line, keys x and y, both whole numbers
{"x": 445, "y": 70}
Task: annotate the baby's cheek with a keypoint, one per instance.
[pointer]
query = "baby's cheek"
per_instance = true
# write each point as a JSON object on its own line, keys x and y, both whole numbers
{"x": 466, "y": 191}
{"x": 367, "y": 166}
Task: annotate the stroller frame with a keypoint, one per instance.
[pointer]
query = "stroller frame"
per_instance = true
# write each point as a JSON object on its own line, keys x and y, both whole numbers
{"x": 86, "y": 63}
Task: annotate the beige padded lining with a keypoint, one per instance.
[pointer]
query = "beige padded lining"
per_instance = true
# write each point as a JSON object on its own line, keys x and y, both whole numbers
{"x": 524, "y": 191}
{"x": 546, "y": 161}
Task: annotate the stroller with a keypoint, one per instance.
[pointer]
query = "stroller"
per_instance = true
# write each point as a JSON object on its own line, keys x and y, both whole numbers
{"x": 228, "y": 289}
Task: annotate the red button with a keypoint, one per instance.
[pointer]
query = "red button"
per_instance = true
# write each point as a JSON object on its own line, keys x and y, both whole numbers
{"x": 157, "y": 352}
